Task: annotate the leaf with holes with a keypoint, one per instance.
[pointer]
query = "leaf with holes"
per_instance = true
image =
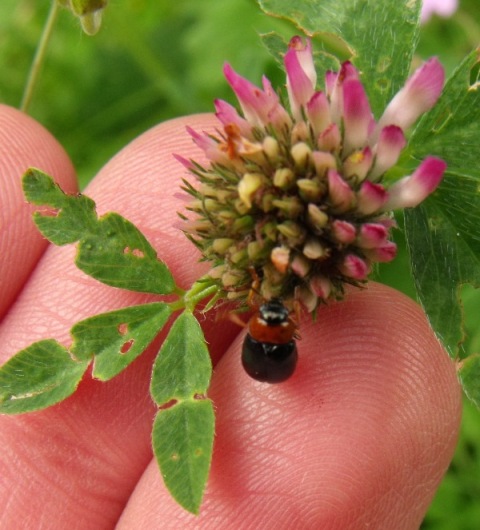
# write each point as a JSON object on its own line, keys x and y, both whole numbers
{"x": 39, "y": 376}
{"x": 73, "y": 215}
{"x": 184, "y": 427}
{"x": 111, "y": 249}
{"x": 117, "y": 338}
{"x": 443, "y": 233}
{"x": 118, "y": 254}
{"x": 182, "y": 442}
{"x": 381, "y": 36}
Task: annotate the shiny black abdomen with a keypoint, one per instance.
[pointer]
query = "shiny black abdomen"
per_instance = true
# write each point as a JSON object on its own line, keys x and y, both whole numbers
{"x": 267, "y": 362}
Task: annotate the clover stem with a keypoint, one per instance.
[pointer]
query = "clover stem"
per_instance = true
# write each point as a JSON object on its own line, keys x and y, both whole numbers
{"x": 39, "y": 56}
{"x": 201, "y": 289}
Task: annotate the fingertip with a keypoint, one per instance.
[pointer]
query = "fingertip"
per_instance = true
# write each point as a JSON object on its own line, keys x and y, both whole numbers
{"x": 24, "y": 143}
{"x": 365, "y": 428}
{"x": 360, "y": 436}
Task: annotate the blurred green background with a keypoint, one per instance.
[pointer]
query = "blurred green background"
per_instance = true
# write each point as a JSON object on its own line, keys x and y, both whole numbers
{"x": 152, "y": 61}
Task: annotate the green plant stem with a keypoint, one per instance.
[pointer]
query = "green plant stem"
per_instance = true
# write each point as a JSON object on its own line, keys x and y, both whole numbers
{"x": 39, "y": 56}
{"x": 201, "y": 289}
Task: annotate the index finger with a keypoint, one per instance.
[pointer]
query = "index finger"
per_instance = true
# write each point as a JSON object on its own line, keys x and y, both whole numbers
{"x": 82, "y": 457}
{"x": 23, "y": 143}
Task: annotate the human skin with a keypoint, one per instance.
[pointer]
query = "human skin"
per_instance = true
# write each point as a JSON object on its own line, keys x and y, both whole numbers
{"x": 359, "y": 437}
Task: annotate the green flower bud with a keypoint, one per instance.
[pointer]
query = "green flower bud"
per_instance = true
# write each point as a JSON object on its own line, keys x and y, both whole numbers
{"x": 301, "y": 154}
{"x": 313, "y": 249}
{"x": 294, "y": 232}
{"x": 316, "y": 217}
{"x": 89, "y": 13}
{"x": 284, "y": 178}
{"x": 290, "y": 207}
{"x": 271, "y": 149}
{"x": 247, "y": 187}
{"x": 85, "y": 7}
{"x": 310, "y": 190}
{"x": 222, "y": 244}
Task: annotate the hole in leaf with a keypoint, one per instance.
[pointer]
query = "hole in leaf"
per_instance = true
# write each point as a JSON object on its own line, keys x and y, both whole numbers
{"x": 134, "y": 252}
{"x": 383, "y": 84}
{"x": 49, "y": 212}
{"x": 168, "y": 404}
{"x": 126, "y": 346}
{"x": 122, "y": 328}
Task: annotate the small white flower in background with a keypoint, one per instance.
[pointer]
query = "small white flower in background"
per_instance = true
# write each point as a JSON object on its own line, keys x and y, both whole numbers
{"x": 442, "y": 8}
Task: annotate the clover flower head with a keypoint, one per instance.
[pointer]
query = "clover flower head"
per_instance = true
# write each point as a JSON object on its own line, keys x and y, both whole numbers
{"x": 297, "y": 195}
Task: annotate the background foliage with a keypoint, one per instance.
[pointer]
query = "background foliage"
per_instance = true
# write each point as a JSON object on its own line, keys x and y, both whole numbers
{"x": 152, "y": 61}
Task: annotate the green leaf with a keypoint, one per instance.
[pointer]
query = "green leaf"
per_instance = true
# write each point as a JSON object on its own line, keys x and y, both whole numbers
{"x": 469, "y": 374}
{"x": 382, "y": 36}
{"x": 442, "y": 234}
{"x": 38, "y": 376}
{"x": 184, "y": 428}
{"x": 182, "y": 442}
{"x": 75, "y": 213}
{"x": 111, "y": 249}
{"x": 183, "y": 367}
{"x": 117, "y": 338}
{"x": 118, "y": 254}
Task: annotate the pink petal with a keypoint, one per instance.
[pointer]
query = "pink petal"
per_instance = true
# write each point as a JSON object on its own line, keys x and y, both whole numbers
{"x": 411, "y": 191}
{"x": 301, "y": 75}
{"x": 300, "y": 265}
{"x": 188, "y": 164}
{"x": 259, "y": 107}
{"x": 318, "y": 112}
{"x": 330, "y": 81}
{"x": 212, "y": 149}
{"x": 334, "y": 87}
{"x": 384, "y": 253}
{"x": 387, "y": 221}
{"x": 354, "y": 267}
{"x": 323, "y": 162}
{"x": 228, "y": 115}
{"x": 357, "y": 116}
{"x": 305, "y": 57}
{"x": 372, "y": 235}
{"x": 275, "y": 113}
{"x": 330, "y": 139}
{"x": 321, "y": 286}
{"x": 358, "y": 164}
{"x": 182, "y": 196}
{"x": 341, "y": 195}
{"x": 388, "y": 149}
{"x": 420, "y": 93}
{"x": 343, "y": 231}
{"x": 306, "y": 297}
{"x": 371, "y": 197}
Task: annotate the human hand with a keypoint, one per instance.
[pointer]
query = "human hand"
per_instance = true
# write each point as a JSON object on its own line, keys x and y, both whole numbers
{"x": 359, "y": 436}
